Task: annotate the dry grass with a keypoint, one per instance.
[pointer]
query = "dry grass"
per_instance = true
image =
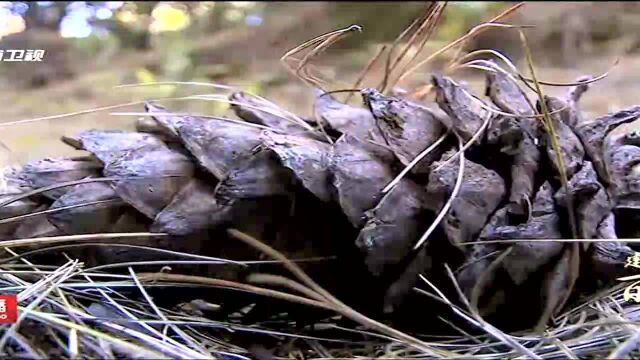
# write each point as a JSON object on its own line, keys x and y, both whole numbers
{"x": 55, "y": 301}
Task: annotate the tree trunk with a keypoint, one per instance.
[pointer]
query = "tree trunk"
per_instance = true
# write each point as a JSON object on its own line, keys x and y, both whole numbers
{"x": 37, "y": 17}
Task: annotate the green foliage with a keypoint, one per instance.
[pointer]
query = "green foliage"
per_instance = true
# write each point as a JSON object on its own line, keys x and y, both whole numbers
{"x": 174, "y": 50}
{"x": 460, "y": 16}
{"x": 93, "y": 45}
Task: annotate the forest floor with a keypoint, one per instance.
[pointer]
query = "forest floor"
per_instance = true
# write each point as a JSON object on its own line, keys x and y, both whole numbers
{"x": 96, "y": 88}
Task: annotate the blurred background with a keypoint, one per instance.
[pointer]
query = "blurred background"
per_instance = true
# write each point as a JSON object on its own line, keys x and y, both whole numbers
{"x": 91, "y": 47}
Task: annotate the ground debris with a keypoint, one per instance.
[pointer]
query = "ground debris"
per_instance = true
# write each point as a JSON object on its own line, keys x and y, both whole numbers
{"x": 478, "y": 260}
{"x": 338, "y": 188}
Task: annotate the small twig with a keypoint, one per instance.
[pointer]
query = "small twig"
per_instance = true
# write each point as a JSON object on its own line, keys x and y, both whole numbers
{"x": 430, "y": 24}
{"x": 447, "y": 205}
{"x": 89, "y": 111}
{"x": 572, "y": 240}
{"x": 134, "y": 348}
{"x": 488, "y": 328}
{"x": 484, "y": 278}
{"x": 159, "y": 313}
{"x": 78, "y": 182}
{"x": 154, "y": 277}
{"x": 365, "y": 71}
{"x": 340, "y": 307}
{"x": 388, "y": 65}
{"x": 269, "y": 279}
{"x": 55, "y": 210}
{"x": 291, "y": 118}
{"x": 71, "y": 238}
{"x": 323, "y": 42}
{"x": 413, "y": 163}
{"x": 469, "y": 143}
{"x": 473, "y": 32}
{"x": 554, "y": 137}
{"x": 195, "y": 83}
{"x": 53, "y": 280}
{"x": 526, "y": 80}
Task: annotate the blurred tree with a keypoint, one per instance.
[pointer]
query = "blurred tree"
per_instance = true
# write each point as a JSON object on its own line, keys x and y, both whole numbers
{"x": 130, "y": 24}
{"x": 56, "y": 65}
{"x": 49, "y": 17}
{"x": 216, "y": 17}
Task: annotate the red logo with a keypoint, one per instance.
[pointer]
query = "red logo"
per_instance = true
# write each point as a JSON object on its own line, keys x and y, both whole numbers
{"x": 8, "y": 309}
